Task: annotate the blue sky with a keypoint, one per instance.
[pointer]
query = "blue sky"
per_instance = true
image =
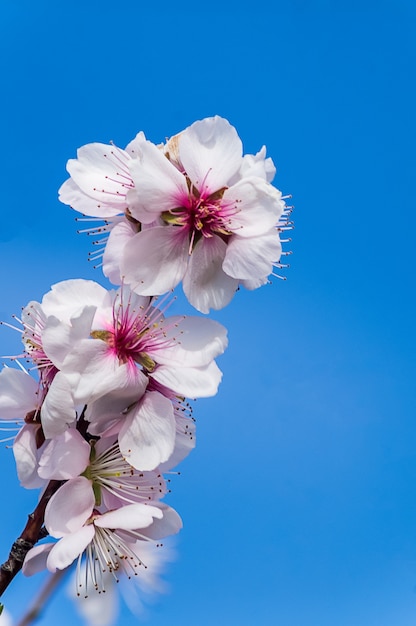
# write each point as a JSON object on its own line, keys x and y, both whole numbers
{"x": 298, "y": 503}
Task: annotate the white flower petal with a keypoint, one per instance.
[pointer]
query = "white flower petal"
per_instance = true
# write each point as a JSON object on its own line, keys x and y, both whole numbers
{"x": 169, "y": 524}
{"x": 159, "y": 186}
{"x": 18, "y": 393}
{"x": 35, "y": 560}
{"x": 258, "y": 207}
{"x": 251, "y": 258}
{"x": 196, "y": 341}
{"x": 205, "y": 283}
{"x": 70, "y": 507}
{"x": 211, "y": 152}
{"x": 193, "y": 382}
{"x": 147, "y": 436}
{"x": 129, "y": 517}
{"x": 26, "y": 455}
{"x": 93, "y": 370}
{"x": 58, "y": 409}
{"x": 257, "y": 165}
{"x": 101, "y": 174}
{"x": 117, "y": 239}
{"x": 155, "y": 260}
{"x": 185, "y": 441}
{"x": 69, "y": 548}
{"x": 68, "y": 298}
{"x": 66, "y": 456}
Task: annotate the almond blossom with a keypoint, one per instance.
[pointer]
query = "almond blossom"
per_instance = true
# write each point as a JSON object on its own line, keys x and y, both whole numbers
{"x": 110, "y": 541}
{"x": 127, "y": 344}
{"x": 194, "y": 210}
{"x": 113, "y": 481}
{"x": 219, "y": 217}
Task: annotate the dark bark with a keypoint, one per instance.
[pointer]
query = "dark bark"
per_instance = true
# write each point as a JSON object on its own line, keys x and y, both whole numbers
{"x": 33, "y": 531}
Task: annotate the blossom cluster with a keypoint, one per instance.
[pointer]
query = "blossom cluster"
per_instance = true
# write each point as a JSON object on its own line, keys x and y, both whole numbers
{"x": 103, "y": 412}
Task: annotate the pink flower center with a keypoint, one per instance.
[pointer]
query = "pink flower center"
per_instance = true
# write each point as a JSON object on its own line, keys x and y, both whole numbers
{"x": 135, "y": 334}
{"x": 202, "y": 213}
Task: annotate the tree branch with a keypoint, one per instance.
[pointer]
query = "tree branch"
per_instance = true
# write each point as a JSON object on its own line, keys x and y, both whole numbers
{"x": 31, "y": 534}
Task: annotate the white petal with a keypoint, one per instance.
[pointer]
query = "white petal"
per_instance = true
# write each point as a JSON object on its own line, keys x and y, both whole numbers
{"x": 155, "y": 260}
{"x": 196, "y": 341}
{"x": 193, "y": 382}
{"x": 205, "y": 283}
{"x": 35, "y": 560}
{"x": 147, "y": 436}
{"x": 101, "y": 174}
{"x": 251, "y": 258}
{"x": 71, "y": 194}
{"x": 254, "y": 284}
{"x": 58, "y": 409}
{"x": 68, "y": 298}
{"x": 117, "y": 239}
{"x": 258, "y": 165}
{"x": 58, "y": 338}
{"x": 26, "y": 455}
{"x": 69, "y": 548}
{"x": 93, "y": 370}
{"x": 129, "y": 517}
{"x": 159, "y": 186}
{"x": 185, "y": 441}
{"x": 65, "y": 456}
{"x": 134, "y": 147}
{"x": 70, "y": 507}
{"x": 111, "y": 405}
{"x": 18, "y": 393}
{"x": 169, "y": 524}
{"x": 258, "y": 207}
{"x": 211, "y": 152}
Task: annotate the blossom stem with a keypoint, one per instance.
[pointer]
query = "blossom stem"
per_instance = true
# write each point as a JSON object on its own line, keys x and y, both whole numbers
{"x": 39, "y": 604}
{"x": 31, "y": 534}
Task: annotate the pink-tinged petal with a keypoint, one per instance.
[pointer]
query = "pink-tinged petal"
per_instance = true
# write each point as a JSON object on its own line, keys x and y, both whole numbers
{"x": 35, "y": 560}
{"x": 254, "y": 284}
{"x": 58, "y": 409}
{"x": 205, "y": 283}
{"x": 196, "y": 341}
{"x": 211, "y": 153}
{"x": 111, "y": 406}
{"x": 193, "y": 382}
{"x": 185, "y": 441}
{"x": 68, "y": 298}
{"x": 155, "y": 260}
{"x": 117, "y": 239}
{"x": 258, "y": 207}
{"x": 134, "y": 147}
{"x": 101, "y": 174}
{"x": 147, "y": 436}
{"x": 257, "y": 165}
{"x": 26, "y": 455}
{"x": 70, "y": 507}
{"x": 18, "y": 393}
{"x": 58, "y": 338}
{"x": 72, "y": 195}
{"x": 65, "y": 456}
{"x": 129, "y": 517}
{"x": 252, "y": 257}
{"x": 159, "y": 186}
{"x": 69, "y": 548}
{"x": 93, "y": 370}
{"x": 169, "y": 524}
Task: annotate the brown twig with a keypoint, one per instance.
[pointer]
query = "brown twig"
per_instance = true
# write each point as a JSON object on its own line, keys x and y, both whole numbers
{"x": 31, "y": 534}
